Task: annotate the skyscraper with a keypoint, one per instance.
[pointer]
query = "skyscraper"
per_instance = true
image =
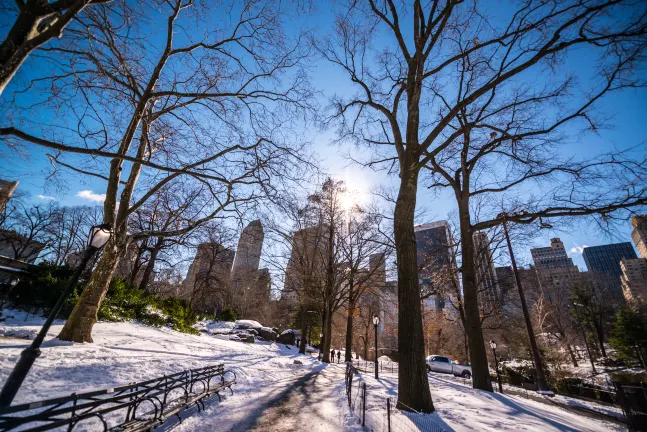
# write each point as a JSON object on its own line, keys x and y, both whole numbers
{"x": 555, "y": 270}
{"x": 6, "y": 190}
{"x": 639, "y": 234}
{"x": 207, "y": 284}
{"x": 437, "y": 270}
{"x": 634, "y": 280}
{"x": 244, "y": 272}
{"x": 307, "y": 263}
{"x": 489, "y": 294}
{"x": 603, "y": 262}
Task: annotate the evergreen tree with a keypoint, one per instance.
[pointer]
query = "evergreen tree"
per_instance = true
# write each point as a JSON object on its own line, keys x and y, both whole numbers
{"x": 629, "y": 336}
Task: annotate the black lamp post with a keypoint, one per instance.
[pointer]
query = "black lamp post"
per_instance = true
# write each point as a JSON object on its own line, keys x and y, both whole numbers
{"x": 496, "y": 365}
{"x": 541, "y": 378}
{"x": 376, "y": 322}
{"x": 97, "y": 239}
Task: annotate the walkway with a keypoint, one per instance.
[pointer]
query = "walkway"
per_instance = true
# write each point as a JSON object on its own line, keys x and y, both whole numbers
{"x": 312, "y": 402}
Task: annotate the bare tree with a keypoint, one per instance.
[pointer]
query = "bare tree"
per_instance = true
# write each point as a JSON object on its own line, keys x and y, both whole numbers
{"x": 450, "y": 74}
{"x": 198, "y": 101}
{"x": 26, "y": 234}
{"x": 35, "y": 23}
{"x": 364, "y": 251}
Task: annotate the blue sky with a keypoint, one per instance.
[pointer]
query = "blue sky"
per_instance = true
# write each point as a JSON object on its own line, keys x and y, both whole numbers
{"x": 629, "y": 111}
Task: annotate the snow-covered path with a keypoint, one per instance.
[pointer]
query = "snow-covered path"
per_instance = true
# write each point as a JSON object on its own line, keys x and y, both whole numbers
{"x": 313, "y": 402}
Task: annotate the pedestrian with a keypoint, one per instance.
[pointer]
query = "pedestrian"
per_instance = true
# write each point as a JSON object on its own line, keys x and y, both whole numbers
{"x": 338, "y": 356}
{"x": 332, "y": 355}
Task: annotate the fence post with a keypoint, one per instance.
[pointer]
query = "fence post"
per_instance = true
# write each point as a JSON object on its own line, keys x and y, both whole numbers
{"x": 364, "y": 406}
{"x": 388, "y": 413}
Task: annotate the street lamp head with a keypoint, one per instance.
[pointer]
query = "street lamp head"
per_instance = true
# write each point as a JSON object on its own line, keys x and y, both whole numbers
{"x": 99, "y": 236}
{"x": 493, "y": 344}
{"x": 376, "y": 320}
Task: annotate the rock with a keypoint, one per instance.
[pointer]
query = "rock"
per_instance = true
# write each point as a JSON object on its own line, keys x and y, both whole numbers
{"x": 275, "y": 330}
{"x": 250, "y": 339}
{"x": 286, "y": 338}
{"x": 248, "y": 324}
{"x": 267, "y": 334}
{"x": 298, "y": 362}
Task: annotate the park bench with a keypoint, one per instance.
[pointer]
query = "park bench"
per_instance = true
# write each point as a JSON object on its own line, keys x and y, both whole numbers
{"x": 134, "y": 407}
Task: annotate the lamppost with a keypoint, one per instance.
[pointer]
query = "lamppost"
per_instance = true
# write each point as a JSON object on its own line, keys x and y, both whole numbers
{"x": 376, "y": 322}
{"x": 586, "y": 341}
{"x": 97, "y": 239}
{"x": 541, "y": 379}
{"x": 496, "y": 365}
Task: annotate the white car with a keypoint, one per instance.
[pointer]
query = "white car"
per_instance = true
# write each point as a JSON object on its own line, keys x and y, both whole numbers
{"x": 443, "y": 364}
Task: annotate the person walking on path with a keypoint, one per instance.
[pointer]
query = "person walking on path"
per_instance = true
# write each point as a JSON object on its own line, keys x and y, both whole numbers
{"x": 338, "y": 356}
{"x": 332, "y": 355}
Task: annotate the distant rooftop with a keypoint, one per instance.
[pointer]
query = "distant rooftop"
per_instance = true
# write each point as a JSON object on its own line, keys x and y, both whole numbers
{"x": 437, "y": 224}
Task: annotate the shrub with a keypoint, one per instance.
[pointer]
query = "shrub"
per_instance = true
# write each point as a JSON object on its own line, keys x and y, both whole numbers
{"x": 41, "y": 288}
{"x": 227, "y": 315}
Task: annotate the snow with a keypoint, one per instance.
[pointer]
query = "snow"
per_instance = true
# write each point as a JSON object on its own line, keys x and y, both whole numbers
{"x": 461, "y": 408}
{"x": 248, "y": 324}
{"x": 272, "y": 391}
{"x": 126, "y": 352}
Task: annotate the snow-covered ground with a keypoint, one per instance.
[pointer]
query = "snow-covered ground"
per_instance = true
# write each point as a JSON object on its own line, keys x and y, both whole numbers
{"x": 461, "y": 408}
{"x": 273, "y": 393}
{"x": 126, "y": 352}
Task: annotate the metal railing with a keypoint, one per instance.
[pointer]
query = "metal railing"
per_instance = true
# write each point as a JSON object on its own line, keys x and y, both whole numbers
{"x": 366, "y": 366}
{"x": 380, "y": 414}
{"x": 134, "y": 407}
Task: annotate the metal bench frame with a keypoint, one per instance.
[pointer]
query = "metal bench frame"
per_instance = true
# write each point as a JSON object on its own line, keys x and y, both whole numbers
{"x": 129, "y": 408}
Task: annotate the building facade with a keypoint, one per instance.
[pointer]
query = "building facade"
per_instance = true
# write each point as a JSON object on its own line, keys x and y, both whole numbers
{"x": 249, "y": 285}
{"x": 603, "y": 262}
{"x": 556, "y": 272}
{"x": 437, "y": 270}
{"x": 7, "y": 189}
{"x": 639, "y": 234}
{"x": 634, "y": 280}
{"x": 207, "y": 286}
{"x": 307, "y": 263}
{"x": 489, "y": 294}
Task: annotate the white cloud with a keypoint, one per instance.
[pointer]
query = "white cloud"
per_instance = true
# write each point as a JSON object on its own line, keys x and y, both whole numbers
{"x": 91, "y": 196}
{"x": 577, "y": 250}
{"x": 46, "y": 197}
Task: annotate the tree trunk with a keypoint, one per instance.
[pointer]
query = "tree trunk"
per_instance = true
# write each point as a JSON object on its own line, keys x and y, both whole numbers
{"x": 143, "y": 285}
{"x": 599, "y": 332}
{"x": 571, "y": 354}
{"x": 413, "y": 383}
{"x": 349, "y": 325}
{"x": 78, "y": 327}
{"x": 477, "y": 352}
{"x": 327, "y": 327}
{"x": 304, "y": 329}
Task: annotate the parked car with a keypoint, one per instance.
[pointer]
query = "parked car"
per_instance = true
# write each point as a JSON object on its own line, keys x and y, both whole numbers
{"x": 444, "y": 364}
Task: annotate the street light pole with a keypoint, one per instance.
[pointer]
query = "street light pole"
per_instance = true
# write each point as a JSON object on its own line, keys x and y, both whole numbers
{"x": 376, "y": 322}
{"x": 541, "y": 378}
{"x": 98, "y": 237}
{"x": 496, "y": 365}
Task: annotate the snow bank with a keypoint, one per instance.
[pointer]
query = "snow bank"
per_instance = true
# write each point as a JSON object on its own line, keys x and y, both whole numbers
{"x": 248, "y": 324}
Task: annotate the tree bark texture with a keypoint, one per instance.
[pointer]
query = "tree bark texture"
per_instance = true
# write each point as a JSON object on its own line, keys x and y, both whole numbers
{"x": 150, "y": 266}
{"x": 349, "y": 324}
{"x": 78, "y": 327}
{"x": 413, "y": 383}
{"x": 476, "y": 344}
